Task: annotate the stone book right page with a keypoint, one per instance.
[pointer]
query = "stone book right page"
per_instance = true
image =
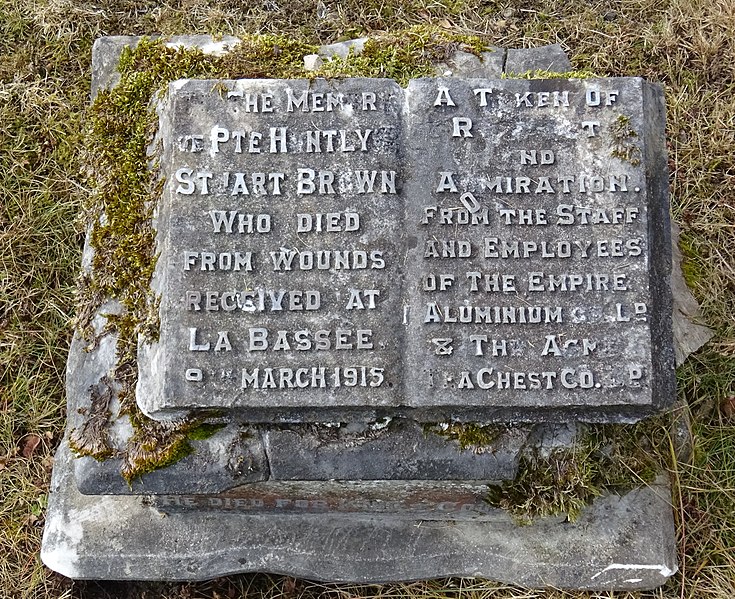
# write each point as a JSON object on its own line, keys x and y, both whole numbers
{"x": 539, "y": 282}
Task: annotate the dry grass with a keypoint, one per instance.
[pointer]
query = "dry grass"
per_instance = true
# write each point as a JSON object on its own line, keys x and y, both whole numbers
{"x": 44, "y": 77}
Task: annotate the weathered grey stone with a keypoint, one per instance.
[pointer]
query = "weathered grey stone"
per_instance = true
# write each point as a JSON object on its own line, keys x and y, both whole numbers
{"x": 529, "y": 231}
{"x": 581, "y": 255}
{"x": 310, "y": 411}
{"x": 689, "y": 335}
{"x": 682, "y": 435}
{"x": 231, "y": 457}
{"x": 241, "y": 455}
{"x": 306, "y": 275}
{"x": 465, "y": 64}
{"x": 312, "y": 62}
{"x": 106, "y": 53}
{"x": 547, "y": 438}
{"x": 545, "y": 58}
{"x": 623, "y": 542}
{"x": 400, "y": 450}
{"x": 206, "y": 43}
{"x": 245, "y": 502}
{"x": 493, "y": 62}
{"x": 105, "y": 58}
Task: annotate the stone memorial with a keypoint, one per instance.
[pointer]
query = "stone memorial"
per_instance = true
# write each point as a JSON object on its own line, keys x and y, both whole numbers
{"x": 347, "y": 269}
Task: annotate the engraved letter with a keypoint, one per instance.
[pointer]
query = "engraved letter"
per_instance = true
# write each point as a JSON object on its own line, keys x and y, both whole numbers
{"x": 218, "y": 135}
{"x": 589, "y": 127}
{"x": 483, "y": 92}
{"x": 551, "y": 346}
{"x": 305, "y": 181}
{"x": 258, "y": 339}
{"x": 443, "y": 98}
{"x": 300, "y": 102}
{"x": 278, "y": 139}
{"x": 368, "y": 100}
{"x": 193, "y": 344}
{"x": 447, "y": 182}
{"x": 194, "y": 374}
{"x": 365, "y": 181}
{"x": 469, "y": 202}
{"x": 183, "y": 176}
{"x": 462, "y": 126}
{"x": 223, "y": 342}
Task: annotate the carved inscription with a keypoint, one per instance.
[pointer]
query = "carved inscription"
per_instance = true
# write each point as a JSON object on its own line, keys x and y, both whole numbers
{"x": 354, "y": 245}
{"x": 462, "y": 505}
{"x": 282, "y": 254}
{"x": 533, "y": 263}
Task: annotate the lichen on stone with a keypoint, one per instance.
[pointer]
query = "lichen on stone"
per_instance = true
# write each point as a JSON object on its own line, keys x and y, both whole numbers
{"x": 119, "y": 219}
{"x": 93, "y": 438}
{"x": 542, "y": 74}
{"x": 623, "y": 142}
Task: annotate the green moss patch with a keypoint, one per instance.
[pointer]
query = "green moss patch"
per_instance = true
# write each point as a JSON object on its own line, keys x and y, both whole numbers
{"x": 470, "y": 436}
{"x": 605, "y": 458}
{"x": 155, "y": 445}
{"x": 403, "y": 55}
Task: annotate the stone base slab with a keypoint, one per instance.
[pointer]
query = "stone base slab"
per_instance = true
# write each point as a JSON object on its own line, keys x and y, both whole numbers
{"x": 623, "y": 542}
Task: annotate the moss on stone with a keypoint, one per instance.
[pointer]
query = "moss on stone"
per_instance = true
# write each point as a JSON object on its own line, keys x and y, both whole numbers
{"x": 123, "y": 125}
{"x": 203, "y": 431}
{"x": 119, "y": 215}
{"x": 623, "y": 144}
{"x": 542, "y": 74}
{"x": 154, "y": 446}
{"x": 264, "y": 57}
{"x": 472, "y": 436}
{"x": 401, "y": 56}
{"x": 691, "y": 266}
{"x": 610, "y": 458}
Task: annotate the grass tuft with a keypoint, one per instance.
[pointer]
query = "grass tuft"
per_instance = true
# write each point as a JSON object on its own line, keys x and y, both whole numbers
{"x": 605, "y": 459}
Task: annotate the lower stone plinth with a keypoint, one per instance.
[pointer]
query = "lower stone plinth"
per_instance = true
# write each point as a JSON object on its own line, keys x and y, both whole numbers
{"x": 623, "y": 542}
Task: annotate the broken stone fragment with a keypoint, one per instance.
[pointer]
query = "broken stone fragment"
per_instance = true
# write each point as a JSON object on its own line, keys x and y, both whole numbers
{"x": 342, "y": 49}
{"x": 465, "y": 64}
{"x": 312, "y": 62}
{"x": 688, "y": 335}
{"x": 545, "y": 58}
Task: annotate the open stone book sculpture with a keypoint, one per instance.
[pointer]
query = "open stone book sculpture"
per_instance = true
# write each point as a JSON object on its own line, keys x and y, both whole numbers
{"x": 348, "y": 273}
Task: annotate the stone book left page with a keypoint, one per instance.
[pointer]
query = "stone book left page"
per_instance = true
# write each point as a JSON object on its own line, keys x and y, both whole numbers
{"x": 280, "y": 241}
